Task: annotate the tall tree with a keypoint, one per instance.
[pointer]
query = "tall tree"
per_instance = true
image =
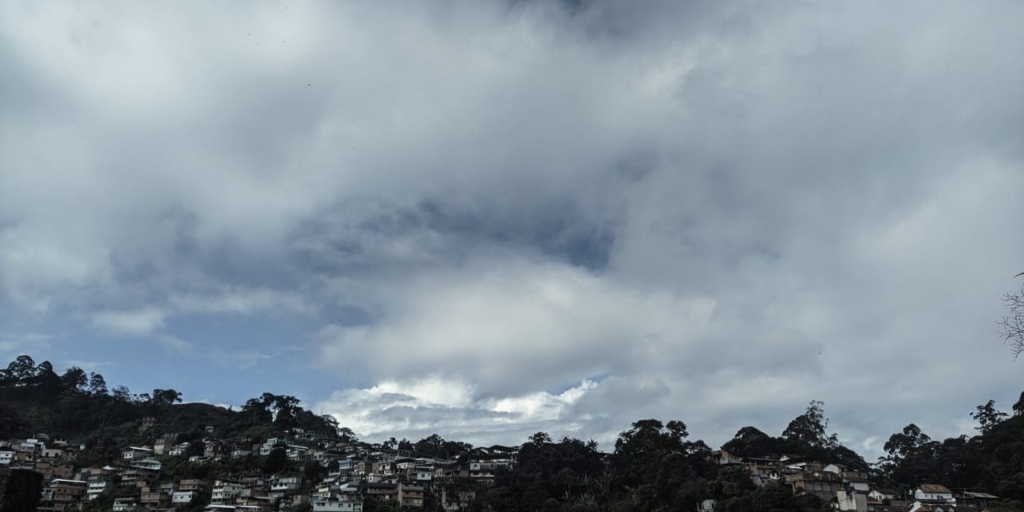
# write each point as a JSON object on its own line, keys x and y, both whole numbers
{"x": 810, "y": 428}
{"x": 21, "y": 369}
{"x": 658, "y": 466}
{"x": 987, "y": 416}
{"x": 97, "y": 385}
{"x": 903, "y": 444}
{"x": 75, "y": 379}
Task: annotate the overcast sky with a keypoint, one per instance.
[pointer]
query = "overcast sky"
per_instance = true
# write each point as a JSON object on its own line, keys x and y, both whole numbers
{"x": 485, "y": 219}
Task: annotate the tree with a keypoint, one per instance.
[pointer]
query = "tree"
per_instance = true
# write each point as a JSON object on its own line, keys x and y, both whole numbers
{"x": 347, "y": 435}
{"x": 166, "y": 396}
{"x": 74, "y": 379}
{"x": 122, "y": 393}
{"x": 21, "y": 369}
{"x": 657, "y": 466}
{"x": 10, "y": 421}
{"x": 1018, "y": 408}
{"x": 47, "y": 380}
{"x": 902, "y": 445}
{"x": 750, "y": 442}
{"x": 810, "y": 428}
{"x": 313, "y": 472}
{"x": 987, "y": 416}
{"x": 276, "y": 461}
{"x": 1013, "y": 324}
{"x": 97, "y": 385}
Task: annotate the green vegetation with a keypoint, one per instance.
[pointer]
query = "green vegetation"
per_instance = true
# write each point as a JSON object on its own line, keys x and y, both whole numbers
{"x": 79, "y": 407}
{"x": 655, "y": 466}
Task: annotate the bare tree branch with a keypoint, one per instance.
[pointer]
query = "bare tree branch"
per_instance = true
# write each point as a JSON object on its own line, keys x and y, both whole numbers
{"x": 1013, "y": 324}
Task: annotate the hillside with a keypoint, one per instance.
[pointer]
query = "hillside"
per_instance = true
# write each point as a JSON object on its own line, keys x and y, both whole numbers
{"x": 654, "y": 465}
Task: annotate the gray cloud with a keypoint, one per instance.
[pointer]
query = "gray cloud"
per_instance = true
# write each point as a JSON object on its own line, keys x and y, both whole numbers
{"x": 717, "y": 211}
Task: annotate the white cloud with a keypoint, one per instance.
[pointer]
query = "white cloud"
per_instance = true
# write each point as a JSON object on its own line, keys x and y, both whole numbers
{"x": 241, "y": 301}
{"x": 416, "y": 409}
{"x": 516, "y": 325}
{"x": 134, "y": 323}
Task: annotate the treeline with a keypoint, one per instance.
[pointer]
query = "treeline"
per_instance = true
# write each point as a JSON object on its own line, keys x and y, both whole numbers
{"x": 78, "y": 405}
{"x": 654, "y": 466}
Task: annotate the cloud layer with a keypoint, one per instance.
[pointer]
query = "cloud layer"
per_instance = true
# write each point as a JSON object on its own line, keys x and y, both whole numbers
{"x": 508, "y": 216}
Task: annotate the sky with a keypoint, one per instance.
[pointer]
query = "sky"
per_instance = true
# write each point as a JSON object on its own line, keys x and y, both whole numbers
{"x": 492, "y": 218}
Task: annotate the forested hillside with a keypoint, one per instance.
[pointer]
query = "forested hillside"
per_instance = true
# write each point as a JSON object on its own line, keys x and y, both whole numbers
{"x": 79, "y": 406}
{"x": 654, "y": 465}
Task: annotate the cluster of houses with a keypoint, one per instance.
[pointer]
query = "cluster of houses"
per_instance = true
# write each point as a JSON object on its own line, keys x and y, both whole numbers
{"x": 850, "y": 490}
{"x": 354, "y": 472}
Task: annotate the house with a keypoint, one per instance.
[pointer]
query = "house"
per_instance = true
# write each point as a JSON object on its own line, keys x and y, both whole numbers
{"x": 6, "y": 457}
{"x": 65, "y": 471}
{"x": 163, "y": 445}
{"x": 934, "y": 493}
{"x": 147, "y": 464}
{"x": 919, "y": 506}
{"x": 152, "y": 497}
{"x": 855, "y": 481}
{"x": 183, "y": 497}
{"x": 125, "y": 504}
{"x": 882, "y": 494}
{"x": 97, "y": 487}
{"x": 977, "y": 500}
{"x": 131, "y": 477}
{"x": 270, "y": 444}
{"x": 381, "y": 491}
{"x": 852, "y": 502}
{"x": 136, "y": 453}
{"x": 337, "y": 506}
{"x": 822, "y": 484}
{"x": 297, "y": 452}
{"x": 51, "y": 453}
{"x": 486, "y": 469}
{"x": 723, "y": 457}
{"x": 410, "y": 495}
{"x": 68, "y": 491}
{"x": 224, "y": 492}
{"x": 286, "y": 485}
{"x": 190, "y": 484}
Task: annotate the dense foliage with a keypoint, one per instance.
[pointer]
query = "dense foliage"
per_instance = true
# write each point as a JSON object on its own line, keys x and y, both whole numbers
{"x": 79, "y": 406}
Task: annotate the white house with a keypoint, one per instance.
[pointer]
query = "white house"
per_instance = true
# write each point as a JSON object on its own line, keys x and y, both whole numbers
{"x": 182, "y": 497}
{"x": 147, "y": 464}
{"x": 288, "y": 484}
{"x": 135, "y": 453}
{"x": 934, "y": 492}
{"x": 225, "y": 491}
{"x": 337, "y": 506}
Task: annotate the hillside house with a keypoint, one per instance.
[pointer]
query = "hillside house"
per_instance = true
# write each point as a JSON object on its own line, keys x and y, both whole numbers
{"x": 934, "y": 493}
{"x": 136, "y": 453}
